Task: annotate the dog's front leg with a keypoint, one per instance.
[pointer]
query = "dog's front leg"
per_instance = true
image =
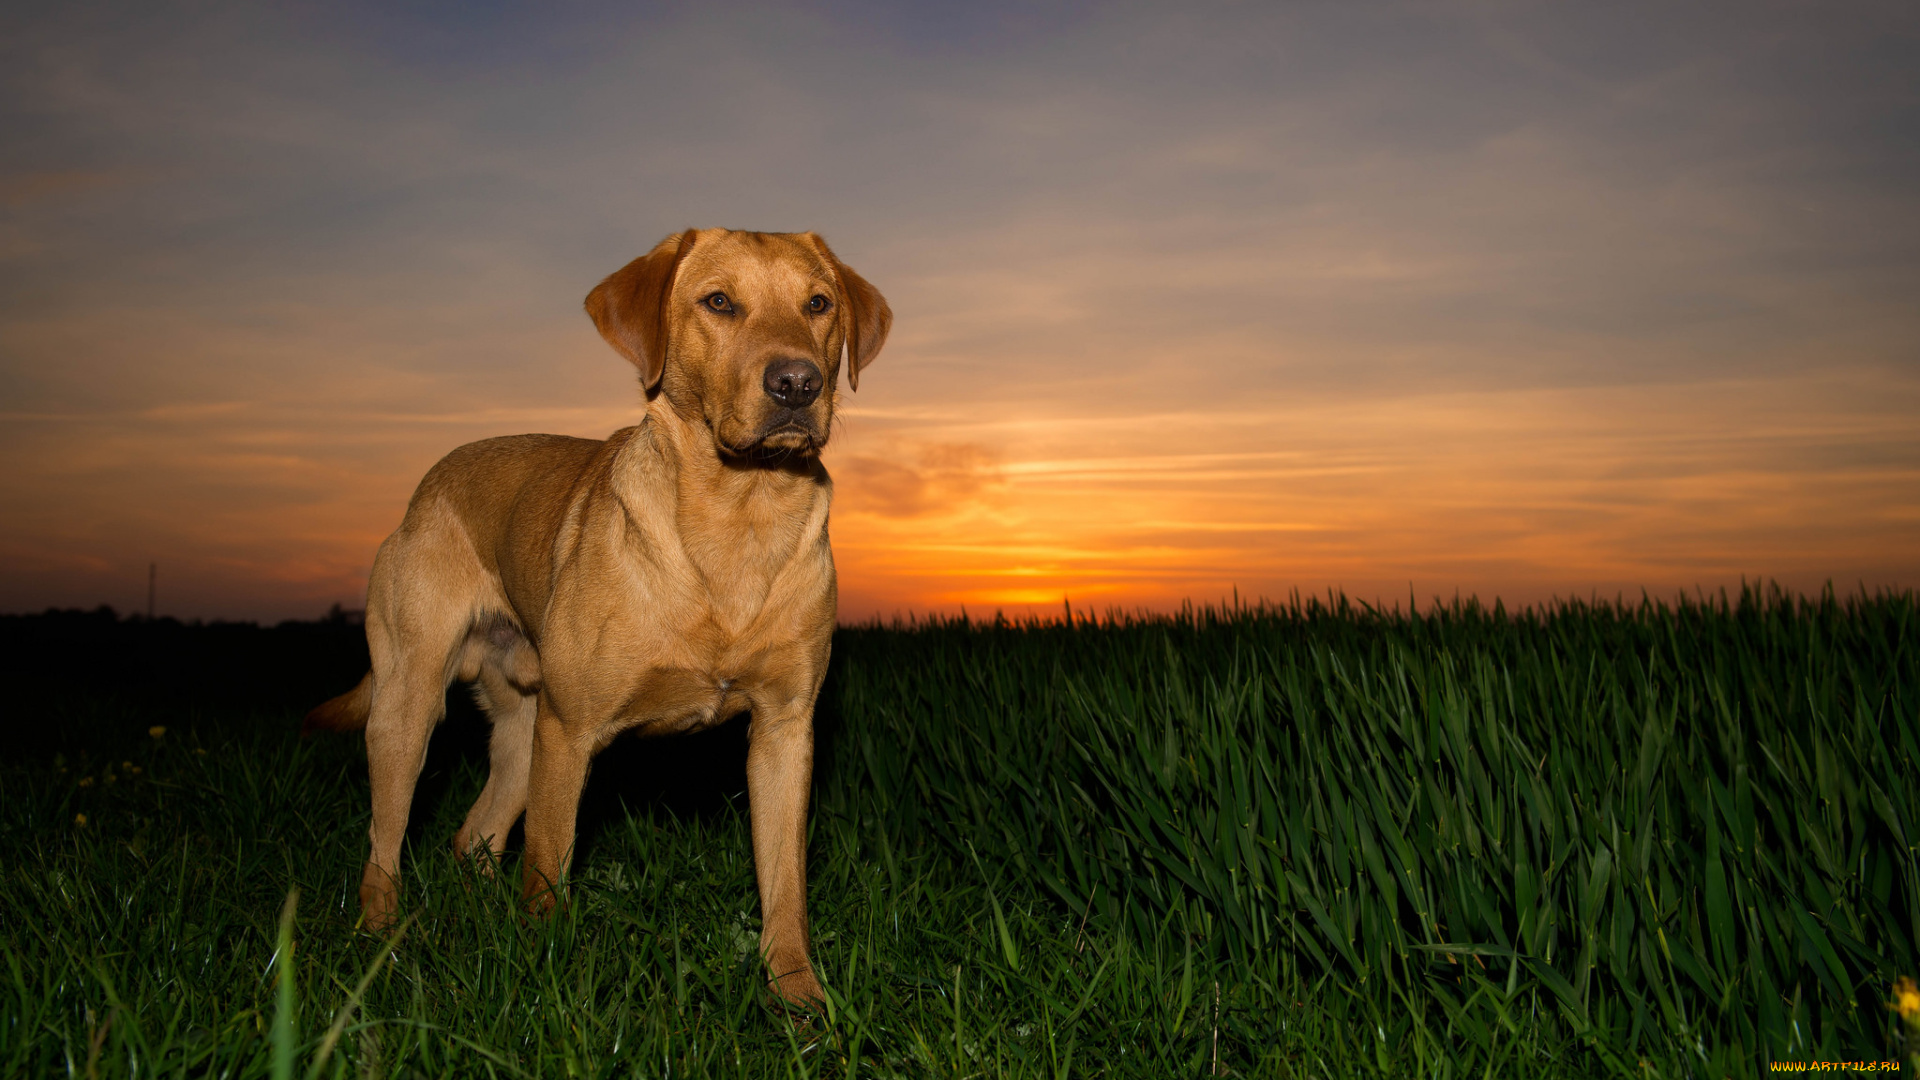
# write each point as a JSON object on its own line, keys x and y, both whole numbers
{"x": 557, "y": 775}
{"x": 779, "y": 773}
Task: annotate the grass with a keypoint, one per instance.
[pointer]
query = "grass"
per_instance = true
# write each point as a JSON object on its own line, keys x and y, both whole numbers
{"x": 1311, "y": 840}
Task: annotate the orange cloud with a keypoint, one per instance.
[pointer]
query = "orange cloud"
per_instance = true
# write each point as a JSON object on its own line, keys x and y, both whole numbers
{"x": 19, "y": 189}
{"x": 944, "y": 476}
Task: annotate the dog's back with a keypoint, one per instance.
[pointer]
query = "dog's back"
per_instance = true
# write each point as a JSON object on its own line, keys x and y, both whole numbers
{"x": 482, "y": 483}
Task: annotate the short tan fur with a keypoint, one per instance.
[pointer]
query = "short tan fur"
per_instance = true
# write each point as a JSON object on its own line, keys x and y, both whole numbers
{"x": 661, "y": 581}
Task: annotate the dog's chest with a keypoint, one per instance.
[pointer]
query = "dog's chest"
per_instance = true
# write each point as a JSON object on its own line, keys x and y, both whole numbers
{"x": 701, "y": 670}
{"x": 686, "y": 603}
{"x": 736, "y": 550}
{"x": 736, "y": 623}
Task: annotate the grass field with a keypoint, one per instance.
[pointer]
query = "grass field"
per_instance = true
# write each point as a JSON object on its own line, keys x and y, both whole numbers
{"x": 1319, "y": 840}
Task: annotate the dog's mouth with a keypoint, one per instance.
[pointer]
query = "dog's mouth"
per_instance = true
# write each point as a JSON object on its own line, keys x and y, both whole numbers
{"x": 782, "y": 439}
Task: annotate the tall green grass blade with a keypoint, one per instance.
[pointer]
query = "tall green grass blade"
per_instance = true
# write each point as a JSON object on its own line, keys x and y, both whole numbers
{"x": 284, "y": 993}
{"x": 1008, "y": 950}
{"x": 346, "y": 1010}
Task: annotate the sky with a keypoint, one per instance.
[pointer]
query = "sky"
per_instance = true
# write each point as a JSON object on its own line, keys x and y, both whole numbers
{"x": 1191, "y": 301}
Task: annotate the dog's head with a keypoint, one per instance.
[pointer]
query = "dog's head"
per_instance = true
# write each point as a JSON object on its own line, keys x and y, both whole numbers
{"x": 743, "y": 331}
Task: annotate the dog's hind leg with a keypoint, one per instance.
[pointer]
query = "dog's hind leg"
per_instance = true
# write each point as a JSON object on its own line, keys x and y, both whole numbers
{"x": 405, "y": 711}
{"x": 504, "y": 798}
{"x": 404, "y": 715}
{"x": 416, "y": 627}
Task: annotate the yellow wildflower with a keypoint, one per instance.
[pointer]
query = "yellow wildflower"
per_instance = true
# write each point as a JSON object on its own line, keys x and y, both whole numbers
{"x": 1906, "y": 999}
{"x": 80, "y": 820}
{"x": 86, "y": 781}
{"x": 157, "y": 730}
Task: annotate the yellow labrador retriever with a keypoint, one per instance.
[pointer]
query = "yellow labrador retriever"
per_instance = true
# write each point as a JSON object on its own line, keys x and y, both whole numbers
{"x": 661, "y": 581}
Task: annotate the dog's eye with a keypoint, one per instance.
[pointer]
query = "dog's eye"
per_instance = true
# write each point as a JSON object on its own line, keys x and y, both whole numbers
{"x": 819, "y": 304}
{"x": 719, "y": 302}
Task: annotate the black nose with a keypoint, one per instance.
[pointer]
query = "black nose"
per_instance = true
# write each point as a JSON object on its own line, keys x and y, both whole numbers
{"x": 793, "y": 383}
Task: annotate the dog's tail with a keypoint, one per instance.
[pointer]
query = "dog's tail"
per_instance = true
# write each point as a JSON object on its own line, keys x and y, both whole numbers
{"x": 348, "y": 712}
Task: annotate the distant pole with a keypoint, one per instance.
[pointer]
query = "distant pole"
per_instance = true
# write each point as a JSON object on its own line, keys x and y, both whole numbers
{"x": 153, "y": 579}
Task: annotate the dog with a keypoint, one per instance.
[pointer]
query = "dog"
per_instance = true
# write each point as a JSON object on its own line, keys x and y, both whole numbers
{"x": 662, "y": 581}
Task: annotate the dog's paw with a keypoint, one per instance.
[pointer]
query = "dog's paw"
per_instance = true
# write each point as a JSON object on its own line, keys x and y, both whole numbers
{"x": 379, "y": 899}
{"x": 797, "y": 990}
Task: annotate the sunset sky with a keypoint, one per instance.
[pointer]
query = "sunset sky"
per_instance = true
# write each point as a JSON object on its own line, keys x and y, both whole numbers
{"x": 1409, "y": 300}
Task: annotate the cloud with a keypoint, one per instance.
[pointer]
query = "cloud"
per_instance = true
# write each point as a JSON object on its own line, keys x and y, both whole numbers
{"x": 946, "y": 478}
{"x": 19, "y": 189}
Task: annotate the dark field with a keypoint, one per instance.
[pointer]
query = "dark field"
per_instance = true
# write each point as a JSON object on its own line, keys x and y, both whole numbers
{"x": 1301, "y": 841}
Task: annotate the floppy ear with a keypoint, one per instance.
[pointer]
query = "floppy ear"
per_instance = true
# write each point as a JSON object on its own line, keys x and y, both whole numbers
{"x": 868, "y": 318}
{"x": 629, "y": 307}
